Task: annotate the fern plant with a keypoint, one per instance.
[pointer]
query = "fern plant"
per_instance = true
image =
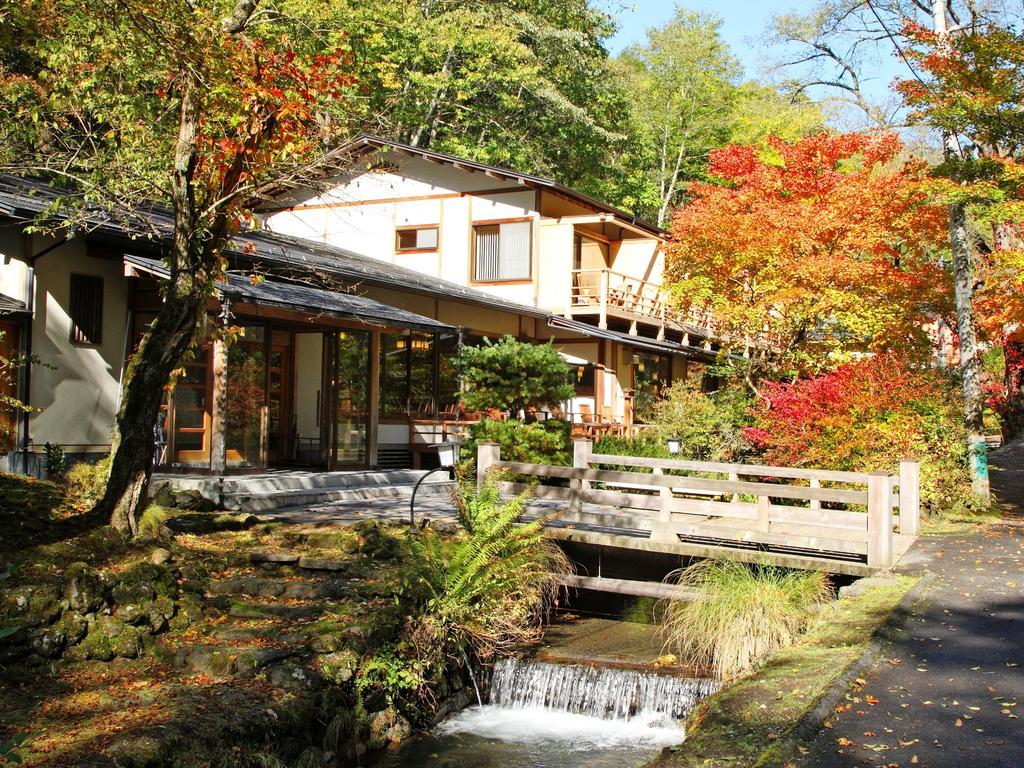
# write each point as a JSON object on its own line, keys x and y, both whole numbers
{"x": 488, "y": 590}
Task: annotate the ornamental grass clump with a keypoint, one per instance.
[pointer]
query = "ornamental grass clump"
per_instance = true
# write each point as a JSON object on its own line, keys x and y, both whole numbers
{"x": 742, "y": 613}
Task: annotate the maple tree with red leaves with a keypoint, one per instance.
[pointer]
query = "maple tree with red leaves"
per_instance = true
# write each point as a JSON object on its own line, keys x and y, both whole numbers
{"x": 807, "y": 252}
{"x": 195, "y": 106}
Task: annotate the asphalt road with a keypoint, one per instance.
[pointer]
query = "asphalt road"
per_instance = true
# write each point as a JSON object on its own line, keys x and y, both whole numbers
{"x": 948, "y": 691}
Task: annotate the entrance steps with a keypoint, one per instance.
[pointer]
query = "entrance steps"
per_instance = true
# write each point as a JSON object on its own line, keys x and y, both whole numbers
{"x": 285, "y": 489}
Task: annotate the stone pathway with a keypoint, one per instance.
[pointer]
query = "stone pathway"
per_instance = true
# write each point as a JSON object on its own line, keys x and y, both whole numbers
{"x": 948, "y": 692}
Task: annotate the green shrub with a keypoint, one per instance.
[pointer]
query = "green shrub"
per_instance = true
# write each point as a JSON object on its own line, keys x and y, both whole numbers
{"x": 85, "y": 483}
{"x": 543, "y": 442}
{"x": 708, "y": 424}
{"x": 742, "y": 613}
{"x": 513, "y": 376}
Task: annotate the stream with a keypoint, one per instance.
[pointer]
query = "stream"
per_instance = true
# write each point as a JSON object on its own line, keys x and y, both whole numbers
{"x": 553, "y": 715}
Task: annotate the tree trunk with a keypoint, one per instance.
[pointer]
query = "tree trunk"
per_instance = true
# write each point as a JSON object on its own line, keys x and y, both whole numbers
{"x": 963, "y": 288}
{"x": 142, "y": 390}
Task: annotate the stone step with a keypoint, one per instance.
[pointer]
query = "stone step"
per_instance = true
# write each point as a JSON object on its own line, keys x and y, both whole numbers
{"x": 292, "y": 481}
{"x": 248, "y": 607}
{"x": 268, "y": 501}
{"x": 225, "y": 660}
{"x": 281, "y": 588}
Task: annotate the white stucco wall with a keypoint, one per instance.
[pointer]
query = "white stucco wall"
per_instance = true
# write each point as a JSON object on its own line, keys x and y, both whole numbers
{"x": 79, "y": 391}
{"x": 13, "y": 267}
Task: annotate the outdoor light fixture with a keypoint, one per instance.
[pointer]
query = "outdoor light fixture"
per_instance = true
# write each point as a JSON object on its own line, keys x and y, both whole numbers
{"x": 448, "y": 456}
{"x": 675, "y": 445}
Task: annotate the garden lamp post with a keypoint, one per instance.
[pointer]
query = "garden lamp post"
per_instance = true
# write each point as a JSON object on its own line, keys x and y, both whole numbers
{"x": 448, "y": 456}
{"x": 675, "y": 445}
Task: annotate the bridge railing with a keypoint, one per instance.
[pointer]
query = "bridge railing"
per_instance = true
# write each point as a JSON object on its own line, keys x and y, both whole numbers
{"x": 845, "y": 513}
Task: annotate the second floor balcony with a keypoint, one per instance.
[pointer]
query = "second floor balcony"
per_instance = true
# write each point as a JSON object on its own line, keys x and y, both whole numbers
{"x": 604, "y": 295}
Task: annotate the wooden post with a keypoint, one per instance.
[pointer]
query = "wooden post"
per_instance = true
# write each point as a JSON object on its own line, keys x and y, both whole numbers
{"x": 602, "y": 321}
{"x": 218, "y": 425}
{"x": 910, "y": 497}
{"x": 763, "y": 509}
{"x": 487, "y": 454}
{"x": 879, "y": 521}
{"x": 666, "y": 497}
{"x": 581, "y": 450}
{"x": 815, "y": 503}
{"x": 735, "y": 478}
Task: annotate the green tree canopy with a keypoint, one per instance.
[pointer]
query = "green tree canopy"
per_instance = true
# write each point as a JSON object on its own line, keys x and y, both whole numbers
{"x": 513, "y": 375}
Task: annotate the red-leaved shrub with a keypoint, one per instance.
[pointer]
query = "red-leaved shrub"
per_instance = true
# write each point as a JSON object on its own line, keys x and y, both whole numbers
{"x": 866, "y": 416}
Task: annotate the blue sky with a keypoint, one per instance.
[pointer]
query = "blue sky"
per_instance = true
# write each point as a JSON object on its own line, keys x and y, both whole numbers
{"x": 743, "y": 25}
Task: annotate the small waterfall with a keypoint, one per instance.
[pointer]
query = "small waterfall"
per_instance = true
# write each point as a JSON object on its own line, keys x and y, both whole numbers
{"x": 611, "y": 694}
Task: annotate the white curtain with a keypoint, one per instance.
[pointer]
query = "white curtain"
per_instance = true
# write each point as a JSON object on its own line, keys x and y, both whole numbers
{"x": 487, "y": 253}
{"x": 515, "y": 251}
{"x": 503, "y": 251}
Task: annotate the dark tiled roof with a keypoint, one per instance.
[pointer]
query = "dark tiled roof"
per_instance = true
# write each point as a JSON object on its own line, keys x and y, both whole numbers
{"x": 307, "y": 299}
{"x": 10, "y": 306}
{"x": 664, "y": 346}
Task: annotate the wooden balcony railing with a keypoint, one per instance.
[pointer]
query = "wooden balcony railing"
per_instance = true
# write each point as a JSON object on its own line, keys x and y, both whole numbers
{"x": 613, "y": 294}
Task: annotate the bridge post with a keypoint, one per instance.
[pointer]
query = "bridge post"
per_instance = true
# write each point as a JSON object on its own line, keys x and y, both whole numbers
{"x": 764, "y": 508}
{"x": 581, "y": 451}
{"x": 666, "y": 497}
{"x": 487, "y": 454}
{"x": 879, "y": 521}
{"x": 910, "y": 497}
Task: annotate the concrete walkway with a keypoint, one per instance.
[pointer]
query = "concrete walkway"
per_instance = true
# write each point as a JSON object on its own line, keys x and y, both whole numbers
{"x": 948, "y": 692}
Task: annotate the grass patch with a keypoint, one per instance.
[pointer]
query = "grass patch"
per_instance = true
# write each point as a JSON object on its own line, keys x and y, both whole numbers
{"x": 960, "y": 521}
{"x": 742, "y": 614}
{"x": 747, "y": 723}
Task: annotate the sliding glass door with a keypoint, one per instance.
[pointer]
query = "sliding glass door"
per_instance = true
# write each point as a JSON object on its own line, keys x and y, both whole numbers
{"x": 351, "y": 396}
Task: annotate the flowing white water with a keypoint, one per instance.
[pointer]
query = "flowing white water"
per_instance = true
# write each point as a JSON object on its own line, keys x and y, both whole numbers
{"x": 545, "y": 715}
{"x": 612, "y": 694}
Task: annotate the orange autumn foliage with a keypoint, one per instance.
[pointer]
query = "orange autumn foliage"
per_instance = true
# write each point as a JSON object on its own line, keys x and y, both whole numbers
{"x": 809, "y": 252}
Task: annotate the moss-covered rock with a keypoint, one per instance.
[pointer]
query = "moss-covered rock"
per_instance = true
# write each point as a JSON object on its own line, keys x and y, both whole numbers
{"x": 339, "y": 667}
{"x": 84, "y": 589}
{"x": 109, "y": 637}
{"x": 388, "y": 728}
{"x": 189, "y": 608}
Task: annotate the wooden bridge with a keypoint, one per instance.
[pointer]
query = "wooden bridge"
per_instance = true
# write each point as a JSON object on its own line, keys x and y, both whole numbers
{"x": 853, "y": 523}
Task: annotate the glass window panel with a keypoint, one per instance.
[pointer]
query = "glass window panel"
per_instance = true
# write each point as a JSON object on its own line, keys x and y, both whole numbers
{"x": 188, "y": 441}
{"x": 487, "y": 253}
{"x": 189, "y": 419}
{"x": 421, "y": 374}
{"x": 245, "y": 399}
{"x": 353, "y": 361}
{"x": 190, "y": 397}
{"x": 394, "y": 383}
{"x": 426, "y": 238}
{"x": 447, "y": 375}
{"x": 194, "y": 374}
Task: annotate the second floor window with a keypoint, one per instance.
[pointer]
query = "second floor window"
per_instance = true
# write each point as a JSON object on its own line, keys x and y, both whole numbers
{"x": 502, "y": 251}
{"x": 86, "y": 309}
{"x": 416, "y": 239}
